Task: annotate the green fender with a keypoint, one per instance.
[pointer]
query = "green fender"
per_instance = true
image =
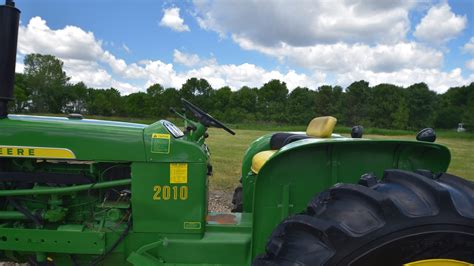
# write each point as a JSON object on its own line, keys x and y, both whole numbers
{"x": 294, "y": 174}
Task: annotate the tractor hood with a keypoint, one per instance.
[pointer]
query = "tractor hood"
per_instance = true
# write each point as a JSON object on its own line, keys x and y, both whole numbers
{"x": 69, "y": 138}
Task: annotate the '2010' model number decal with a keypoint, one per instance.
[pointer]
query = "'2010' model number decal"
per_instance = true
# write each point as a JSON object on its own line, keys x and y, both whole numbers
{"x": 170, "y": 192}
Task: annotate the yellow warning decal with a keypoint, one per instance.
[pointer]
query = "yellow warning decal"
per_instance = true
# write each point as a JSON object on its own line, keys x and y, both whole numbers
{"x": 160, "y": 143}
{"x": 160, "y": 136}
{"x": 36, "y": 152}
{"x": 178, "y": 173}
{"x": 192, "y": 225}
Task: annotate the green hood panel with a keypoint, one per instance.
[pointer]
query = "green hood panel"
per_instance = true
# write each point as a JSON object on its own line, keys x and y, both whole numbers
{"x": 88, "y": 139}
{"x": 64, "y": 120}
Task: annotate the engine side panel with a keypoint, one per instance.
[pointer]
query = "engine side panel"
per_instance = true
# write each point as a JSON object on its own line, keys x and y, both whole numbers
{"x": 169, "y": 197}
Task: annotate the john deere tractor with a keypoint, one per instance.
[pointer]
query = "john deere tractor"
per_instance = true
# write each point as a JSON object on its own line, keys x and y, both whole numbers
{"x": 76, "y": 191}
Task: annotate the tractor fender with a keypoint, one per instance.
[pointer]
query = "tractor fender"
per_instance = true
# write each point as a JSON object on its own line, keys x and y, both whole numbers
{"x": 289, "y": 179}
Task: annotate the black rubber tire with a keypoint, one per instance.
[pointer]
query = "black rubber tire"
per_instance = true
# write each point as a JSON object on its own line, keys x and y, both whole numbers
{"x": 404, "y": 218}
{"x": 238, "y": 200}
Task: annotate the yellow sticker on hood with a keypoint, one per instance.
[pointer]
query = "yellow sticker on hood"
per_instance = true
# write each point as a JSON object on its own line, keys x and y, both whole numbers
{"x": 178, "y": 173}
{"x": 36, "y": 152}
{"x": 160, "y": 143}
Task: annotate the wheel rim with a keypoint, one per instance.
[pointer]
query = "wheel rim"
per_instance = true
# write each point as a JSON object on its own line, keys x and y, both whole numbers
{"x": 438, "y": 262}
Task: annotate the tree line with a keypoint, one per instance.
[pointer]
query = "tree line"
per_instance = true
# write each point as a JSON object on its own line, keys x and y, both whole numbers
{"x": 44, "y": 87}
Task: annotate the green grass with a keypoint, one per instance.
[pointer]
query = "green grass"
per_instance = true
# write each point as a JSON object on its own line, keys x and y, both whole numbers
{"x": 227, "y": 152}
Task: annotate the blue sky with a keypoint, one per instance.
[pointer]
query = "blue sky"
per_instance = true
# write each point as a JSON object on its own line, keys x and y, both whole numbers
{"x": 131, "y": 45}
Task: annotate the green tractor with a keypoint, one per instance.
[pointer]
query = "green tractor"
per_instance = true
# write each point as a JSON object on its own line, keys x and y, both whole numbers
{"x": 77, "y": 191}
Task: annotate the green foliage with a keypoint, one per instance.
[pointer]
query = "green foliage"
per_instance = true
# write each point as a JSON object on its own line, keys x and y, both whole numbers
{"x": 242, "y": 106}
{"x": 300, "y": 106}
{"x": 448, "y": 117}
{"x": 401, "y": 116}
{"x": 47, "y": 81}
{"x": 104, "y": 102}
{"x": 328, "y": 101}
{"x": 356, "y": 103}
{"x": 271, "y": 101}
{"x": 198, "y": 91}
{"x": 45, "y": 88}
{"x": 135, "y": 104}
{"x": 21, "y": 93}
{"x": 456, "y": 106}
{"x": 220, "y": 101}
{"x": 154, "y": 99}
{"x": 468, "y": 117}
{"x": 421, "y": 103}
{"x": 384, "y": 104}
{"x": 77, "y": 98}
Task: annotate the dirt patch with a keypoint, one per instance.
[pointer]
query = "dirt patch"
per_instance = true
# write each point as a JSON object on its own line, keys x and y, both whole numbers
{"x": 220, "y": 201}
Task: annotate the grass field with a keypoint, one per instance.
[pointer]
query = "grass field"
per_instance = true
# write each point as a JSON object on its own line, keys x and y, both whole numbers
{"x": 227, "y": 152}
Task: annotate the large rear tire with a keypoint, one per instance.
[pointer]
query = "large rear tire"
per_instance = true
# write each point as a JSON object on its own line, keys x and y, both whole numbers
{"x": 404, "y": 218}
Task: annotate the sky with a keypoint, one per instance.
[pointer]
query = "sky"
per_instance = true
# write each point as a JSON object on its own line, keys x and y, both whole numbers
{"x": 131, "y": 45}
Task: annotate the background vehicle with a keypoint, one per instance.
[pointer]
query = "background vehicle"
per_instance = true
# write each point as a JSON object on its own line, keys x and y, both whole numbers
{"x": 76, "y": 191}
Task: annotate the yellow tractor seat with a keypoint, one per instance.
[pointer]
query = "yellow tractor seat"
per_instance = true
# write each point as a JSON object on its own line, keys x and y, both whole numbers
{"x": 319, "y": 127}
{"x": 260, "y": 159}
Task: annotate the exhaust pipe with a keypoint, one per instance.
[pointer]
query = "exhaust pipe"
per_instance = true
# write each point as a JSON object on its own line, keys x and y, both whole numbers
{"x": 9, "y": 22}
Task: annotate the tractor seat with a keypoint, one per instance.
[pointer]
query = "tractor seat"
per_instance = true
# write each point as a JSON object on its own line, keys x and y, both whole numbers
{"x": 260, "y": 159}
{"x": 319, "y": 127}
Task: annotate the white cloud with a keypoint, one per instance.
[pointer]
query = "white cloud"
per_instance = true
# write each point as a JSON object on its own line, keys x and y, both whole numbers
{"x": 470, "y": 64}
{"x": 85, "y": 62}
{"x": 307, "y": 22}
{"x": 342, "y": 57}
{"x": 185, "y": 59}
{"x": 120, "y": 67}
{"x": 80, "y": 51}
{"x": 19, "y": 67}
{"x": 437, "y": 80}
{"x": 70, "y": 42}
{"x": 125, "y": 47}
{"x": 85, "y": 59}
{"x": 172, "y": 20}
{"x": 191, "y": 60}
{"x": 234, "y": 76}
{"x": 440, "y": 25}
{"x": 347, "y": 39}
{"x": 364, "y": 39}
{"x": 469, "y": 46}
{"x": 93, "y": 75}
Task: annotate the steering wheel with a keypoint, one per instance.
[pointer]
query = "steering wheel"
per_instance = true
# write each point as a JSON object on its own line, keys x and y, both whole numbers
{"x": 205, "y": 118}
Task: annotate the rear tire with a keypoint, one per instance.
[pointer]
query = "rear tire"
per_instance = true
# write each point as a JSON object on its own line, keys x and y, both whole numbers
{"x": 404, "y": 218}
{"x": 238, "y": 200}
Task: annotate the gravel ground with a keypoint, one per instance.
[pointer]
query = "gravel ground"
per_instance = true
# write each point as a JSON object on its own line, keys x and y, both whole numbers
{"x": 220, "y": 201}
